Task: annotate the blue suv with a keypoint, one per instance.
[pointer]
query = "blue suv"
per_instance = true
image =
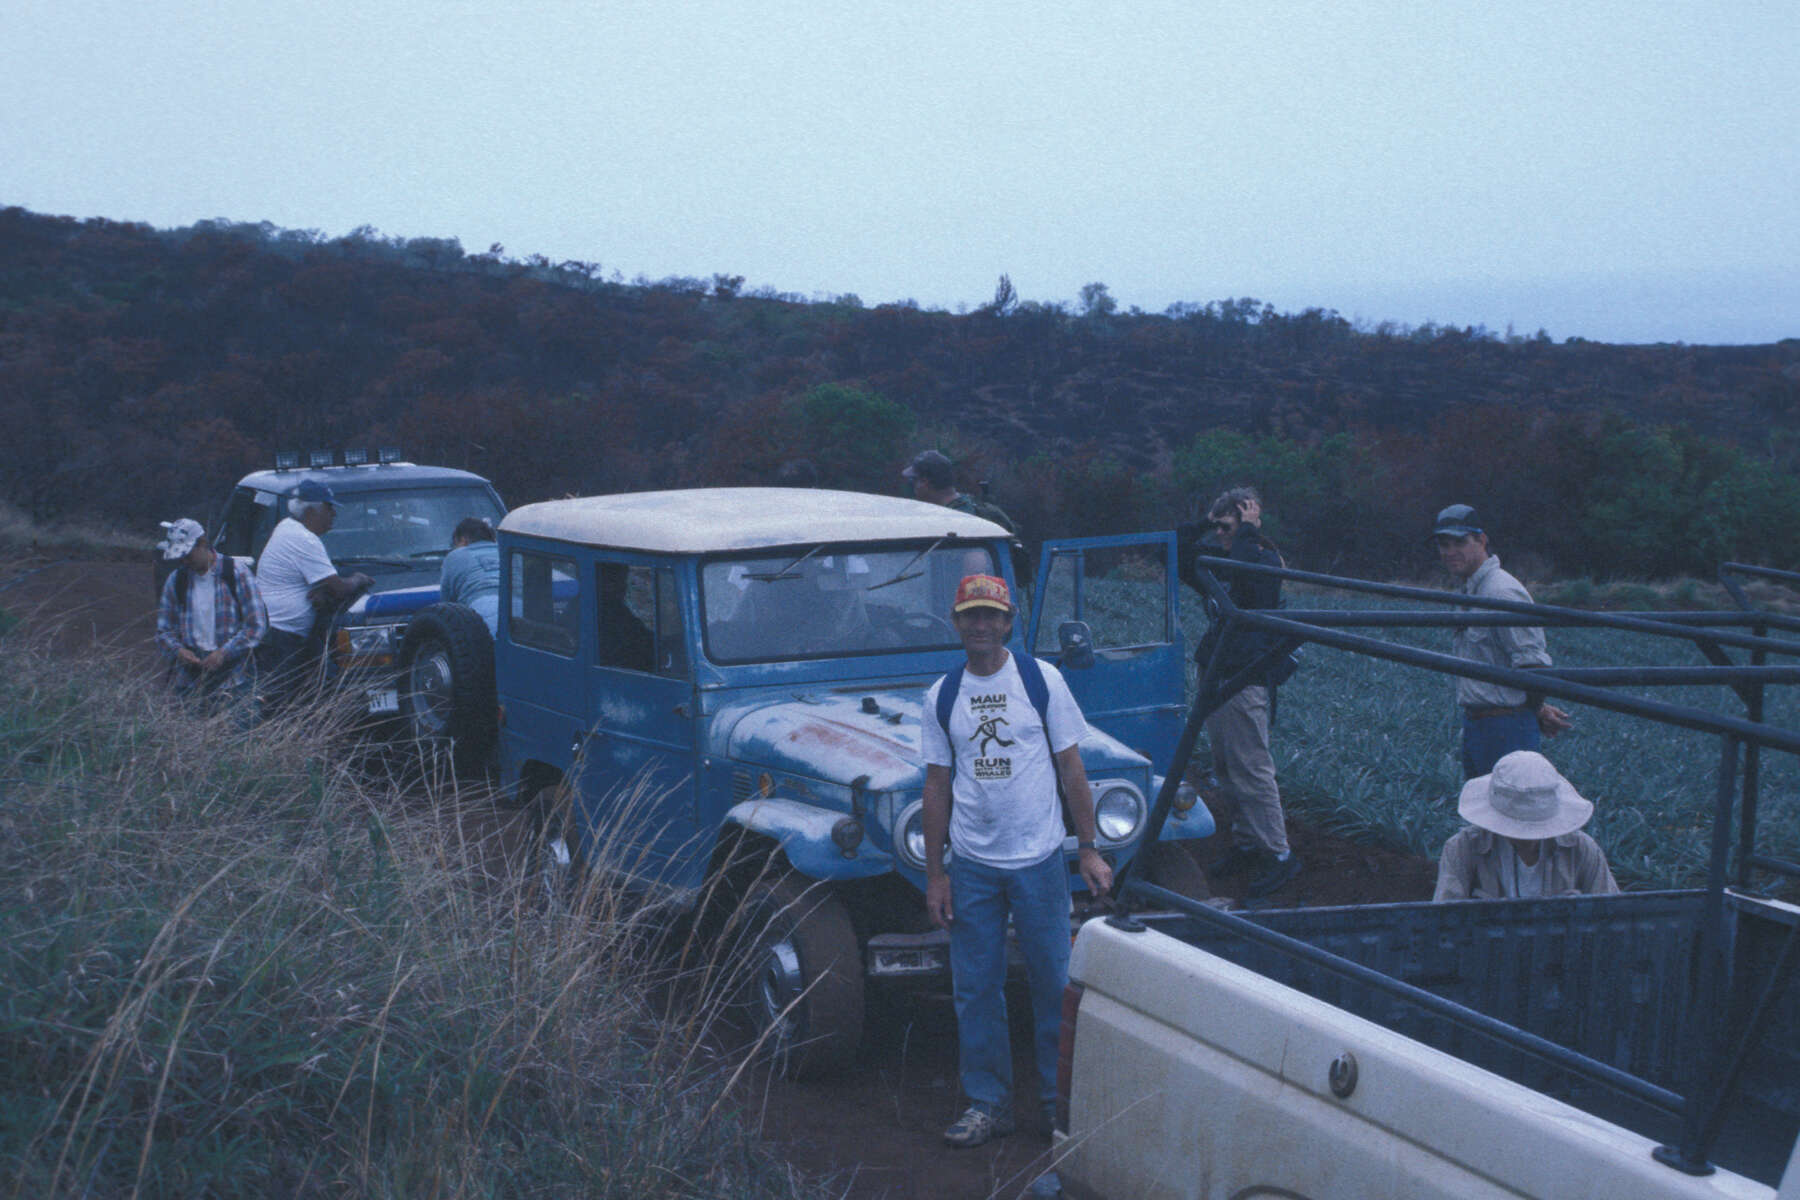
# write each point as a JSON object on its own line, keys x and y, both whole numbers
{"x": 419, "y": 666}
{"x": 720, "y": 691}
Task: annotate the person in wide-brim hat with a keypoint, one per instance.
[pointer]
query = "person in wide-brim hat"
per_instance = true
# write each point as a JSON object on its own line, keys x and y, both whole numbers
{"x": 1524, "y": 837}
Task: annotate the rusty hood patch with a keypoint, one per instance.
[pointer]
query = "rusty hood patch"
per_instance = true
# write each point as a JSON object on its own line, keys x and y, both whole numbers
{"x": 831, "y": 736}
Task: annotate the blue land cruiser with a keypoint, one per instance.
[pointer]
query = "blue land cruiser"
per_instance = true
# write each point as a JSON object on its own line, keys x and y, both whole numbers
{"x": 428, "y": 664}
{"x": 720, "y": 691}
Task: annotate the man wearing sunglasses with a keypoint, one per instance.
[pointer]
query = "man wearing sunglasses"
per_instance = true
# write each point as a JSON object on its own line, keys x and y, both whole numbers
{"x": 1239, "y": 729}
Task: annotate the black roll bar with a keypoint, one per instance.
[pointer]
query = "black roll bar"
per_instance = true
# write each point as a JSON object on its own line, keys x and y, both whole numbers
{"x": 1701, "y": 1107}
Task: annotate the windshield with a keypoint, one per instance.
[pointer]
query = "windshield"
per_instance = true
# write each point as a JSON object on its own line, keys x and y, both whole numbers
{"x": 832, "y": 600}
{"x": 406, "y": 527}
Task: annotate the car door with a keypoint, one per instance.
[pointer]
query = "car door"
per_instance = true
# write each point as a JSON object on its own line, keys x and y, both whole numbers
{"x": 1118, "y": 594}
{"x": 638, "y": 774}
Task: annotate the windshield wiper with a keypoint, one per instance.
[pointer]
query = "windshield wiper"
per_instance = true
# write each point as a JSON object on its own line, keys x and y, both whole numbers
{"x": 901, "y": 576}
{"x": 370, "y": 560}
{"x": 786, "y": 572}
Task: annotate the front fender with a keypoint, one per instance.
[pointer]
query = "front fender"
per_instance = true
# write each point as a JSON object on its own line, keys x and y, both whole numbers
{"x": 1196, "y": 822}
{"x": 804, "y": 834}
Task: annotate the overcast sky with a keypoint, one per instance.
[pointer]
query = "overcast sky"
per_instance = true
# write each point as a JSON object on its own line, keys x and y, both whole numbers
{"x": 1623, "y": 170}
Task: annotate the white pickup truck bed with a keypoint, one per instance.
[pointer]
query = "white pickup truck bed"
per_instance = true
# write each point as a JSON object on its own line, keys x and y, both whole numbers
{"x": 1192, "y": 1076}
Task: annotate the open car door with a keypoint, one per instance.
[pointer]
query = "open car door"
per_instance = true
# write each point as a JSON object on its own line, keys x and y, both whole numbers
{"x": 1105, "y": 614}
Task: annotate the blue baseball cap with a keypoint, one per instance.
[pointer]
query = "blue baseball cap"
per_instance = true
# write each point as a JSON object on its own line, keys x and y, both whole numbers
{"x": 312, "y": 491}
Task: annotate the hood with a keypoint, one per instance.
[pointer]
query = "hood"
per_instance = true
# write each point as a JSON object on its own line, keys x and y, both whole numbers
{"x": 842, "y": 734}
{"x": 392, "y": 604}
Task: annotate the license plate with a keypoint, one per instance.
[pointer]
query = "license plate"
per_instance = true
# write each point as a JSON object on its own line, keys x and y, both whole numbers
{"x": 384, "y": 700}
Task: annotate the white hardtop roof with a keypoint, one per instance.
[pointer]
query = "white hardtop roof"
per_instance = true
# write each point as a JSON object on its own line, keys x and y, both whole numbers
{"x": 705, "y": 520}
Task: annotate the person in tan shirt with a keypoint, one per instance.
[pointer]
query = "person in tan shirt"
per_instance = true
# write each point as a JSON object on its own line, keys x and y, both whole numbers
{"x": 1524, "y": 837}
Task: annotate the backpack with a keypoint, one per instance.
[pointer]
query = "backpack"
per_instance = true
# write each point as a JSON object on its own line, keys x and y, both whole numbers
{"x": 1036, "y": 690}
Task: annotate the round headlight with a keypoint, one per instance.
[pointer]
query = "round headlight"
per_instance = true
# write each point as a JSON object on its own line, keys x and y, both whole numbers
{"x": 1118, "y": 811}
{"x": 909, "y": 836}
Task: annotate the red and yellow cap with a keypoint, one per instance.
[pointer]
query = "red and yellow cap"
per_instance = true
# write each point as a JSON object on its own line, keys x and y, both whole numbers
{"x": 982, "y": 591}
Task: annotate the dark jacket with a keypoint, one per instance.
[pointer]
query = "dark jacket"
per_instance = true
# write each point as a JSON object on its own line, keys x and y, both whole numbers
{"x": 1245, "y": 590}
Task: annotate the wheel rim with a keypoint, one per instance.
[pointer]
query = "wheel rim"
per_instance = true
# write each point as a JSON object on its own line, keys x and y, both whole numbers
{"x": 431, "y": 687}
{"x": 778, "y": 985}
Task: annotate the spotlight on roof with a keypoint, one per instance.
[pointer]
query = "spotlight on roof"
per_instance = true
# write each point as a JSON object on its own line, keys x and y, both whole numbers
{"x": 319, "y": 458}
{"x": 390, "y": 454}
{"x": 356, "y": 458}
{"x": 287, "y": 460}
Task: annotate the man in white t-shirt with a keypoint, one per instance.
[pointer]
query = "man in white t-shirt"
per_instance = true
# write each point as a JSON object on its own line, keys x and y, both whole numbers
{"x": 297, "y": 578}
{"x": 1001, "y": 764}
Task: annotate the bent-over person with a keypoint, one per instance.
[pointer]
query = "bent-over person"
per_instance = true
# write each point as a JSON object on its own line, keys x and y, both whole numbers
{"x": 1524, "y": 837}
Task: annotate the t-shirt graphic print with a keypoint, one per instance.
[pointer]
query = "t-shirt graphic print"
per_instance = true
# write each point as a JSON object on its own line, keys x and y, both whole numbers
{"x": 1004, "y": 810}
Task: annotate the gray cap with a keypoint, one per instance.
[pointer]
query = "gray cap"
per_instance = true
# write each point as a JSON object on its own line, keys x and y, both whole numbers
{"x": 1458, "y": 520}
{"x": 931, "y": 466}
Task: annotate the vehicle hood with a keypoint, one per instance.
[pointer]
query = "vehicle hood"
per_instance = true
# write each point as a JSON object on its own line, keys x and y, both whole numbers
{"x": 833, "y": 735}
{"x": 387, "y": 602}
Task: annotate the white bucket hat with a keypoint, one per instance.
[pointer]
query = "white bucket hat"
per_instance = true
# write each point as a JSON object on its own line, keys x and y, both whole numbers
{"x": 1525, "y": 797}
{"x": 181, "y": 537}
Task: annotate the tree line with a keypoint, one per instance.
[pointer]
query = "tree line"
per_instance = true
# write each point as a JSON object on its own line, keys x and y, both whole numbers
{"x": 143, "y": 370}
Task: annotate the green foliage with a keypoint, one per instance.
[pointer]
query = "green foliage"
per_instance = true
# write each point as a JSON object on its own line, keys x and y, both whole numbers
{"x": 1372, "y": 748}
{"x": 855, "y": 436}
{"x": 1322, "y": 501}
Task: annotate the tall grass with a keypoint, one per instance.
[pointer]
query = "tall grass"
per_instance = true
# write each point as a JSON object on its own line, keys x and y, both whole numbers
{"x": 1373, "y": 748}
{"x": 236, "y": 966}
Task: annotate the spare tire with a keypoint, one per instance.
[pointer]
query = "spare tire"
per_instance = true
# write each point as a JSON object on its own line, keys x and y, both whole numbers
{"x": 447, "y": 684}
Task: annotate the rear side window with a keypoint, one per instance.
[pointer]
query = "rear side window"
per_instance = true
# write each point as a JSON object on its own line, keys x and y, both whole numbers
{"x": 249, "y": 520}
{"x": 545, "y": 603}
{"x": 640, "y": 619}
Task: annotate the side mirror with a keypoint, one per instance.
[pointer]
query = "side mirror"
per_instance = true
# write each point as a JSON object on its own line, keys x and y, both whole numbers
{"x": 1077, "y": 643}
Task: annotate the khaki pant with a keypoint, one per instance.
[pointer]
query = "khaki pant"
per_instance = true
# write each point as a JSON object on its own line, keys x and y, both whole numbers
{"x": 1239, "y": 732}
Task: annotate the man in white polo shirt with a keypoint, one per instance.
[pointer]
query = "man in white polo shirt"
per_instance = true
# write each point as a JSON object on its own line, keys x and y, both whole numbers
{"x": 297, "y": 578}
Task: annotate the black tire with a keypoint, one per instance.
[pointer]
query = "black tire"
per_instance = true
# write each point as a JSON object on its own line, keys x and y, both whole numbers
{"x": 1170, "y": 865}
{"x": 447, "y": 684}
{"x": 802, "y": 992}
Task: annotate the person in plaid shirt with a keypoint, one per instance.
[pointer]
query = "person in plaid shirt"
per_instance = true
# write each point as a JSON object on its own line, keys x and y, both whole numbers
{"x": 211, "y": 617}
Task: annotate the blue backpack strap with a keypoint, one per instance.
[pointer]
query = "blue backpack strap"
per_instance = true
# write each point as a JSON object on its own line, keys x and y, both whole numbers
{"x": 946, "y": 701}
{"x": 1036, "y": 690}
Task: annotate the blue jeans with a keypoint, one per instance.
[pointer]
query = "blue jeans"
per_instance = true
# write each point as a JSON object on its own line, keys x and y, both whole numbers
{"x": 1486, "y": 740}
{"x": 980, "y": 898}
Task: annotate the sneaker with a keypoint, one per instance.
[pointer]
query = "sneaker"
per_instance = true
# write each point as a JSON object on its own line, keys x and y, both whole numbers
{"x": 1280, "y": 873}
{"x": 1235, "y": 861}
{"x": 977, "y": 1126}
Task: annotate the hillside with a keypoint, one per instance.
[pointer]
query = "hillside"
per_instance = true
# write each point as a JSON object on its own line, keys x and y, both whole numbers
{"x": 141, "y": 369}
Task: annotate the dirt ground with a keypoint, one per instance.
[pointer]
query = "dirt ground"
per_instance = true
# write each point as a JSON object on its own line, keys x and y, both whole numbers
{"x": 877, "y": 1132}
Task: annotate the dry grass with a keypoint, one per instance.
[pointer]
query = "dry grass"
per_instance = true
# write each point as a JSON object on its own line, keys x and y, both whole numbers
{"x": 241, "y": 966}
{"x": 23, "y": 539}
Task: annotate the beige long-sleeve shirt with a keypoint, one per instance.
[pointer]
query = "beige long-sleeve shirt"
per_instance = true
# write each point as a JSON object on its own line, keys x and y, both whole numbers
{"x": 1475, "y": 866}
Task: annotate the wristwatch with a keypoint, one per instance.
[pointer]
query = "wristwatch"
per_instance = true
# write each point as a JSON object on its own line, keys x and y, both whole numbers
{"x": 1084, "y": 844}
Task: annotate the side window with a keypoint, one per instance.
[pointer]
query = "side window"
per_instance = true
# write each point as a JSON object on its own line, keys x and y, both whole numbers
{"x": 545, "y": 603}
{"x": 249, "y": 519}
{"x": 640, "y": 619}
{"x": 1120, "y": 591}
